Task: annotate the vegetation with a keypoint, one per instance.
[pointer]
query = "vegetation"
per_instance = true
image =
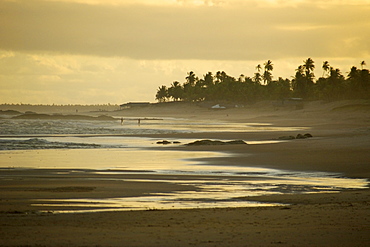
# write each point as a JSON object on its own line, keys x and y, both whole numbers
{"x": 332, "y": 85}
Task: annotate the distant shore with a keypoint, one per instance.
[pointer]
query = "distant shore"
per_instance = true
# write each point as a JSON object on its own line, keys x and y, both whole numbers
{"x": 67, "y": 109}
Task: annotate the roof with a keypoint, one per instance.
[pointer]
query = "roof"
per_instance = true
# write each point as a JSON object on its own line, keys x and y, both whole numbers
{"x": 132, "y": 104}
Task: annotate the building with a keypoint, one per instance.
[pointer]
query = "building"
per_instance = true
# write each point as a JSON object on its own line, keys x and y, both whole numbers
{"x": 134, "y": 104}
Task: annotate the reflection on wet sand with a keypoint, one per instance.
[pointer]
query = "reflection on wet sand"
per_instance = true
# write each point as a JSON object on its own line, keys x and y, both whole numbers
{"x": 79, "y": 190}
{"x": 126, "y": 173}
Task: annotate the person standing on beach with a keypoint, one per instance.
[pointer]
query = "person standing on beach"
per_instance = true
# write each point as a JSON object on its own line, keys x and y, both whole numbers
{"x": 121, "y": 120}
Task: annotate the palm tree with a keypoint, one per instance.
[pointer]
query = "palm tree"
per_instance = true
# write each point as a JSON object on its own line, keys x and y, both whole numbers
{"x": 208, "y": 79}
{"x": 191, "y": 78}
{"x": 162, "y": 94}
{"x": 259, "y": 67}
{"x": 299, "y": 82}
{"x": 325, "y": 67}
{"x": 336, "y": 76}
{"x": 363, "y": 64}
{"x": 257, "y": 78}
{"x": 175, "y": 91}
{"x": 267, "y": 77}
{"x": 300, "y": 70}
{"x": 268, "y": 65}
{"x": 353, "y": 74}
{"x": 309, "y": 67}
{"x": 218, "y": 76}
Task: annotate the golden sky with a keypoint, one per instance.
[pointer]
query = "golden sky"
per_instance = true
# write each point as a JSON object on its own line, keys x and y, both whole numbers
{"x": 114, "y": 51}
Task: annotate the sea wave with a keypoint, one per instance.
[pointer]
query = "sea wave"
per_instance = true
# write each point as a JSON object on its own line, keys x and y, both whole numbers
{"x": 37, "y": 143}
{"x": 78, "y": 127}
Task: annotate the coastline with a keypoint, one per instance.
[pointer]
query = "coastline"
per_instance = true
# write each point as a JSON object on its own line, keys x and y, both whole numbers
{"x": 340, "y": 142}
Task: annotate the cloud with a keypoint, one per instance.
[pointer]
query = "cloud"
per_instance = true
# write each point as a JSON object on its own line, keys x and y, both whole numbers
{"x": 185, "y": 31}
{"x": 66, "y": 79}
{"x": 100, "y": 51}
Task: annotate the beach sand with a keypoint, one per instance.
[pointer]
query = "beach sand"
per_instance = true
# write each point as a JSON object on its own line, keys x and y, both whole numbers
{"x": 340, "y": 144}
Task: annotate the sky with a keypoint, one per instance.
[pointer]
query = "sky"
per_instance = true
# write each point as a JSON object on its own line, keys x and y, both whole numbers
{"x": 117, "y": 51}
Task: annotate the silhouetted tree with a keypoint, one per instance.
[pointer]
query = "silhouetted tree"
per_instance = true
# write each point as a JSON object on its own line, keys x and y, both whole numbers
{"x": 363, "y": 64}
{"x": 208, "y": 80}
{"x": 268, "y": 65}
{"x": 364, "y": 87}
{"x": 175, "y": 91}
{"x": 334, "y": 85}
{"x": 267, "y": 76}
{"x": 299, "y": 82}
{"x": 309, "y": 66}
{"x": 278, "y": 90}
{"x": 225, "y": 88}
{"x": 162, "y": 94}
{"x": 359, "y": 83}
{"x": 304, "y": 79}
{"x": 208, "y": 86}
{"x": 257, "y": 78}
{"x": 325, "y": 67}
{"x": 191, "y": 78}
{"x": 353, "y": 74}
{"x": 258, "y": 67}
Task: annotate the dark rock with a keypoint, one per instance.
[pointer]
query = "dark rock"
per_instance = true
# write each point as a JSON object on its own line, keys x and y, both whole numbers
{"x": 307, "y": 135}
{"x": 205, "y": 142}
{"x": 164, "y": 142}
{"x": 15, "y": 212}
{"x": 286, "y": 138}
{"x": 300, "y": 136}
{"x": 286, "y": 207}
{"x": 176, "y": 142}
{"x": 214, "y": 143}
{"x": 236, "y": 142}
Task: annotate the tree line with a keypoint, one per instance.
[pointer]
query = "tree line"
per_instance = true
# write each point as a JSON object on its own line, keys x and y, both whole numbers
{"x": 331, "y": 85}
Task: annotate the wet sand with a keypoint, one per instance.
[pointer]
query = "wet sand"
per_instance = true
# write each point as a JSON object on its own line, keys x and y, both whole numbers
{"x": 340, "y": 144}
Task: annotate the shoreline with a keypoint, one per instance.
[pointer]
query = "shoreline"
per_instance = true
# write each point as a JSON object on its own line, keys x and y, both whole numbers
{"x": 340, "y": 143}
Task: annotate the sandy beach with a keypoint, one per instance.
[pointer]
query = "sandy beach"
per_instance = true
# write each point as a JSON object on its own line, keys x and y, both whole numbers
{"x": 340, "y": 144}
